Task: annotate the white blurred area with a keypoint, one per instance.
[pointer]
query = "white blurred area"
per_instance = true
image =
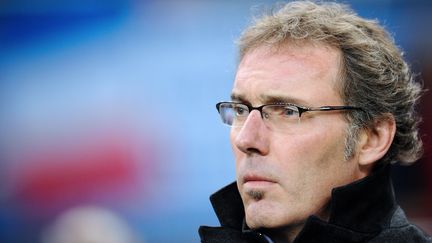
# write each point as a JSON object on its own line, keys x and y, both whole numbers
{"x": 89, "y": 224}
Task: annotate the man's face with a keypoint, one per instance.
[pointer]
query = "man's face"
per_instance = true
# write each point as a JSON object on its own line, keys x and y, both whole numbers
{"x": 285, "y": 176}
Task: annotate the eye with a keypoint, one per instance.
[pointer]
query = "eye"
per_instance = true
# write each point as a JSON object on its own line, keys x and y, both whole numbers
{"x": 239, "y": 110}
{"x": 289, "y": 111}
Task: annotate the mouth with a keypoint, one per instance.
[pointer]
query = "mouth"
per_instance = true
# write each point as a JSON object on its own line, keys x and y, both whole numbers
{"x": 257, "y": 181}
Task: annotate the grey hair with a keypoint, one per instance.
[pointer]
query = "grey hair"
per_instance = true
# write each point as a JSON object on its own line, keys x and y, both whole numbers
{"x": 374, "y": 75}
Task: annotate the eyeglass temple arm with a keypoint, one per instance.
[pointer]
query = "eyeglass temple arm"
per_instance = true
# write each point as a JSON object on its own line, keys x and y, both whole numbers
{"x": 331, "y": 108}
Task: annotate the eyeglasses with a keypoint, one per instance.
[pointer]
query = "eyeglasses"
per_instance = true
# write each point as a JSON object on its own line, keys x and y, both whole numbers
{"x": 281, "y": 116}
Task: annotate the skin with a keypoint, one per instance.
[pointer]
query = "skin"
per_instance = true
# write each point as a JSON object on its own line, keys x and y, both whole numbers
{"x": 284, "y": 177}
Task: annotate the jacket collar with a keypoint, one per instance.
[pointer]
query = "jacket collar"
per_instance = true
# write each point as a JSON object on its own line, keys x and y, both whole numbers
{"x": 365, "y": 205}
{"x": 228, "y": 206}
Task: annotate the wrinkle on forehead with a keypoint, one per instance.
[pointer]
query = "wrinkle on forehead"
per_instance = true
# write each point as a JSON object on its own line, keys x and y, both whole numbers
{"x": 300, "y": 52}
{"x": 296, "y": 57}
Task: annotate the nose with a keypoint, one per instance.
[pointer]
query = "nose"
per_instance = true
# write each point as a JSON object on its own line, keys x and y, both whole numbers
{"x": 253, "y": 136}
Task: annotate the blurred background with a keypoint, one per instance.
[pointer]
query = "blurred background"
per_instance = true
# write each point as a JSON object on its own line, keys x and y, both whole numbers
{"x": 108, "y": 129}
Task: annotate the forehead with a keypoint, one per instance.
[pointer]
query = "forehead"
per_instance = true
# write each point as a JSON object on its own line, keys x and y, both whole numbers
{"x": 307, "y": 73}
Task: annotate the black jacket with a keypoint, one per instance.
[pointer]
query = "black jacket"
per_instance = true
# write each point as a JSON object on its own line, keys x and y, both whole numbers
{"x": 363, "y": 211}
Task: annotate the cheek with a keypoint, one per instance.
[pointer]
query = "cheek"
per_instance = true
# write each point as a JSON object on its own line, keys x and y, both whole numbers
{"x": 295, "y": 148}
{"x": 233, "y": 134}
{"x": 237, "y": 153}
{"x": 232, "y": 141}
{"x": 306, "y": 166}
{"x": 315, "y": 138}
{"x": 308, "y": 156}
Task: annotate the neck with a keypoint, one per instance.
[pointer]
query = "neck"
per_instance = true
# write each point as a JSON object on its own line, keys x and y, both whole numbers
{"x": 284, "y": 234}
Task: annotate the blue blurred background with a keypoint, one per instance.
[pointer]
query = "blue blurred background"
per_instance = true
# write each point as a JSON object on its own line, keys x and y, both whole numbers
{"x": 107, "y": 111}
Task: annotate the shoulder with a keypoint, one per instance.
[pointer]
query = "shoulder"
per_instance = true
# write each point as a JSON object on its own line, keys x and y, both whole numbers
{"x": 401, "y": 230}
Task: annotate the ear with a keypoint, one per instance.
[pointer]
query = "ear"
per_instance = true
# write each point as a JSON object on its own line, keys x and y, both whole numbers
{"x": 376, "y": 141}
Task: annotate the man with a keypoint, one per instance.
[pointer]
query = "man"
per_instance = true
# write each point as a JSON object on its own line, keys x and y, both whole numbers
{"x": 322, "y": 104}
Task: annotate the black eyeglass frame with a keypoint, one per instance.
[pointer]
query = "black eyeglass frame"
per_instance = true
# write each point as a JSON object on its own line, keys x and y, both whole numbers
{"x": 301, "y": 109}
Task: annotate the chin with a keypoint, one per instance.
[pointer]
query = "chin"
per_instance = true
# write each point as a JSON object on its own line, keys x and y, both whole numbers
{"x": 269, "y": 215}
{"x": 264, "y": 221}
{"x": 260, "y": 215}
{"x": 256, "y": 222}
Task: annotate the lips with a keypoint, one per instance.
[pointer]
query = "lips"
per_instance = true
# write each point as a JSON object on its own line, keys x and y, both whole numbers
{"x": 255, "y": 181}
{"x": 252, "y": 178}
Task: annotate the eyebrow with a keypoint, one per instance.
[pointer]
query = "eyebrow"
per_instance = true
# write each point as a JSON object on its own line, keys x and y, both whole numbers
{"x": 270, "y": 99}
{"x": 281, "y": 99}
{"x": 238, "y": 97}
